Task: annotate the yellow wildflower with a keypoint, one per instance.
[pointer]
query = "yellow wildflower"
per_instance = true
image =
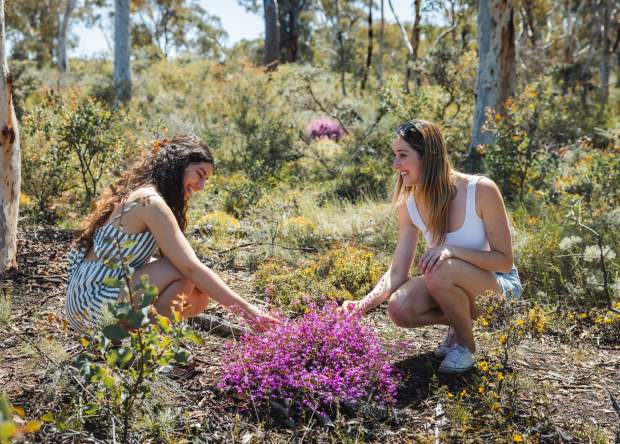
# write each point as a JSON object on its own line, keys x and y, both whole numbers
{"x": 483, "y": 366}
{"x": 517, "y": 438}
{"x": 24, "y": 199}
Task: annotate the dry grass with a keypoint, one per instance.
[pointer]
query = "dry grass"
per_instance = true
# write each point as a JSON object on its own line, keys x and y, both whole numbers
{"x": 561, "y": 395}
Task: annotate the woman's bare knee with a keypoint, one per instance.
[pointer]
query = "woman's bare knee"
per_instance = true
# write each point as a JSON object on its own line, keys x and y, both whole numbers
{"x": 394, "y": 313}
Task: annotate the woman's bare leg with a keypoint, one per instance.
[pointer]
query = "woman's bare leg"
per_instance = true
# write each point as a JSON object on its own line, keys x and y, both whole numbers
{"x": 413, "y": 306}
{"x": 454, "y": 286}
{"x": 174, "y": 289}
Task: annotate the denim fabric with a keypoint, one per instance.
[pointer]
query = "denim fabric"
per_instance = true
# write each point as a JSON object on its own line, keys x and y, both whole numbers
{"x": 510, "y": 284}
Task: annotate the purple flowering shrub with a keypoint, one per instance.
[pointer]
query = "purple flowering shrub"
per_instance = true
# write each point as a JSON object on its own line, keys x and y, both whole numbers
{"x": 325, "y": 129}
{"x": 317, "y": 361}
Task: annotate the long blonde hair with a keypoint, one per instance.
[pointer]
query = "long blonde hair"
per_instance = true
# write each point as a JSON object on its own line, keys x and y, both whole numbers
{"x": 438, "y": 187}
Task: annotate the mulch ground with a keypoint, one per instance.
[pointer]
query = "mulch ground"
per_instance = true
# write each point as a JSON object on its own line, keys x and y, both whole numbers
{"x": 577, "y": 377}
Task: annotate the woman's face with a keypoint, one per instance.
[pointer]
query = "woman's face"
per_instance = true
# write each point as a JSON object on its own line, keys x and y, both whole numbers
{"x": 195, "y": 176}
{"x": 407, "y": 162}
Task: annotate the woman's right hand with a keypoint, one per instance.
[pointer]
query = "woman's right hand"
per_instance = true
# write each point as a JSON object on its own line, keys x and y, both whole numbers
{"x": 350, "y": 306}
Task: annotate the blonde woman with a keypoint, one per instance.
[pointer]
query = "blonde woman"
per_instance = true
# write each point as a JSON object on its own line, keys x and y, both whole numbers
{"x": 464, "y": 222}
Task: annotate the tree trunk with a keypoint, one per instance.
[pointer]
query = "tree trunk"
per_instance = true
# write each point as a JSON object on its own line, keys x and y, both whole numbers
{"x": 272, "y": 34}
{"x": 369, "y": 52}
{"x": 496, "y": 67}
{"x": 381, "y": 45}
{"x": 339, "y": 40}
{"x": 122, "y": 73}
{"x": 415, "y": 44}
{"x": 605, "y": 52}
{"x": 10, "y": 161}
{"x": 405, "y": 40}
{"x": 63, "y": 30}
{"x": 293, "y": 37}
{"x": 569, "y": 49}
{"x": 530, "y": 22}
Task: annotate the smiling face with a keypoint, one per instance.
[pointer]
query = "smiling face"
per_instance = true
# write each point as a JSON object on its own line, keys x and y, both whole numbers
{"x": 195, "y": 176}
{"x": 408, "y": 162}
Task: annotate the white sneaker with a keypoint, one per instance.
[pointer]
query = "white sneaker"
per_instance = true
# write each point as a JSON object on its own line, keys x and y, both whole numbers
{"x": 447, "y": 343}
{"x": 458, "y": 360}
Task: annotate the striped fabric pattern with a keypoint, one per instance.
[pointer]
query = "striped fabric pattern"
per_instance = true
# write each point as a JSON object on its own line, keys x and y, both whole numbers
{"x": 87, "y": 296}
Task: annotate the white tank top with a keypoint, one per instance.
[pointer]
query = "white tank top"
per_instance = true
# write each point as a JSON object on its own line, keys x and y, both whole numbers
{"x": 471, "y": 235}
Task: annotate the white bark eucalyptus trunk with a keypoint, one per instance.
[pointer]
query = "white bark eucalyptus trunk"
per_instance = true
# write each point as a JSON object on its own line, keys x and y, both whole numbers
{"x": 122, "y": 73}
{"x": 63, "y": 31}
{"x": 496, "y": 67}
{"x": 10, "y": 161}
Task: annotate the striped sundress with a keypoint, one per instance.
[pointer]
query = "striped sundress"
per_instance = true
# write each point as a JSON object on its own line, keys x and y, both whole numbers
{"x": 87, "y": 296}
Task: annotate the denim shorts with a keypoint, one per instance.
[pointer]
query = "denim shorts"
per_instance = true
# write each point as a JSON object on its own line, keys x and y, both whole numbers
{"x": 510, "y": 284}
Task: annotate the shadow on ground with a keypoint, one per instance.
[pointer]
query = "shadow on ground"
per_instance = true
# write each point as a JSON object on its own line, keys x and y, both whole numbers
{"x": 421, "y": 378}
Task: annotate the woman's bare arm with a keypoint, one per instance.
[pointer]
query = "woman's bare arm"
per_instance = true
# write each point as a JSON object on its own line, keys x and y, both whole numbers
{"x": 162, "y": 224}
{"x": 401, "y": 263}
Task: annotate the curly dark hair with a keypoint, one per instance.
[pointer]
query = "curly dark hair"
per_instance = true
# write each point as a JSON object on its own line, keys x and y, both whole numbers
{"x": 163, "y": 168}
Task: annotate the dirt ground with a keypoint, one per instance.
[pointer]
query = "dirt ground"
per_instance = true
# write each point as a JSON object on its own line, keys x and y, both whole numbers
{"x": 579, "y": 378}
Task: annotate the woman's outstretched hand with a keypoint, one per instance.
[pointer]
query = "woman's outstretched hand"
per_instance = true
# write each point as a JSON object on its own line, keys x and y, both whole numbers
{"x": 433, "y": 257}
{"x": 350, "y": 306}
{"x": 259, "y": 320}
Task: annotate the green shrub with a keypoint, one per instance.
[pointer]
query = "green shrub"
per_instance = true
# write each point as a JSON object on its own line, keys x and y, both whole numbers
{"x": 48, "y": 170}
{"x": 299, "y": 231}
{"x": 351, "y": 269}
{"x": 68, "y": 140}
{"x": 366, "y": 177}
{"x": 342, "y": 273}
{"x": 261, "y": 137}
{"x": 235, "y": 193}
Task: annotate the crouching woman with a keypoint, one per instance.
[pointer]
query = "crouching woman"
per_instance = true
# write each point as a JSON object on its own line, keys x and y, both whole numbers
{"x": 464, "y": 222}
{"x": 142, "y": 212}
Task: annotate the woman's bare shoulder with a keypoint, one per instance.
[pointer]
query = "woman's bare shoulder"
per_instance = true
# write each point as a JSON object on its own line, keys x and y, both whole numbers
{"x": 487, "y": 187}
{"x": 145, "y": 196}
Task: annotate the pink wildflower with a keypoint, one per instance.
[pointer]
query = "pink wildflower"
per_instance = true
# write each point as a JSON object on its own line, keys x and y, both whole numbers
{"x": 316, "y": 361}
{"x": 325, "y": 129}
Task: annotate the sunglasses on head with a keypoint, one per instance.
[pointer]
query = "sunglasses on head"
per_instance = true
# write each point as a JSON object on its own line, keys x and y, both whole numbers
{"x": 411, "y": 132}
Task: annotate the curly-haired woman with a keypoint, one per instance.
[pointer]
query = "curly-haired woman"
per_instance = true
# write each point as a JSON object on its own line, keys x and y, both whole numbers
{"x": 143, "y": 211}
{"x": 464, "y": 222}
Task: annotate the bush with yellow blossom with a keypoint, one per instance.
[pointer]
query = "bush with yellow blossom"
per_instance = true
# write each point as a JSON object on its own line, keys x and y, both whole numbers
{"x": 342, "y": 273}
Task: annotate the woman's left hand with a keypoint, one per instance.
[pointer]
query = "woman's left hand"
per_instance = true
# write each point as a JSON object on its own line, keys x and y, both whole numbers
{"x": 433, "y": 257}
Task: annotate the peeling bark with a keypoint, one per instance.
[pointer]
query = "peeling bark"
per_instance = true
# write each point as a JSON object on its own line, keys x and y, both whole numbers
{"x": 10, "y": 161}
{"x": 497, "y": 63}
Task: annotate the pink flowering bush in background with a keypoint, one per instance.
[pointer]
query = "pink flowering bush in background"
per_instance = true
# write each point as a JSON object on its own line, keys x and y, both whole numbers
{"x": 325, "y": 129}
{"x": 318, "y": 361}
